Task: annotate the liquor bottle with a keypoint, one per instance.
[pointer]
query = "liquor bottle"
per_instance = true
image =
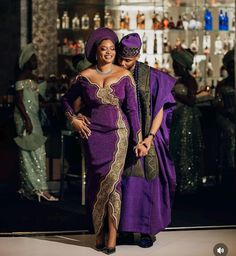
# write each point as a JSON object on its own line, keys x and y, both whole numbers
{"x": 155, "y": 44}
{"x": 85, "y": 21}
{"x": 213, "y": 88}
{"x": 206, "y": 43}
{"x": 156, "y": 63}
{"x": 75, "y": 22}
{"x": 138, "y": 20}
{"x": 171, "y": 23}
{"x": 127, "y": 21}
{"x": 166, "y": 45}
{"x": 108, "y": 21}
{"x": 145, "y": 61}
{"x": 58, "y": 23}
{"x": 218, "y": 45}
{"x": 142, "y": 19}
{"x": 208, "y": 20}
{"x": 65, "y": 20}
{"x": 185, "y": 21}
{"x": 226, "y": 22}
{"x": 165, "y": 21}
{"x": 178, "y": 43}
{"x": 154, "y": 21}
{"x": 194, "y": 46}
{"x": 232, "y": 24}
{"x": 122, "y": 20}
{"x": 221, "y": 20}
{"x": 192, "y": 23}
{"x": 198, "y": 23}
{"x": 179, "y": 24}
{"x": 97, "y": 21}
{"x": 144, "y": 41}
{"x": 209, "y": 69}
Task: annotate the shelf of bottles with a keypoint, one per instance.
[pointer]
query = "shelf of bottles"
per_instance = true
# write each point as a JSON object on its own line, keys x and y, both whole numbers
{"x": 74, "y": 30}
{"x": 206, "y": 27}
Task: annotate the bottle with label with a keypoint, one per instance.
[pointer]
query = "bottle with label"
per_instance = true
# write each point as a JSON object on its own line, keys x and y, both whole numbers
{"x": 165, "y": 21}
{"x": 226, "y": 22}
{"x": 85, "y": 21}
{"x": 221, "y": 20}
{"x": 206, "y": 43}
{"x": 97, "y": 21}
{"x": 209, "y": 70}
{"x": 142, "y": 20}
{"x": 179, "y": 24}
{"x": 194, "y": 46}
{"x": 138, "y": 20}
{"x": 108, "y": 21}
{"x": 171, "y": 23}
{"x": 193, "y": 22}
{"x": 58, "y": 23}
{"x": 154, "y": 21}
{"x": 75, "y": 22}
{"x": 185, "y": 21}
{"x": 208, "y": 20}
{"x": 156, "y": 63}
{"x": 144, "y": 41}
{"x": 218, "y": 45}
{"x": 122, "y": 20}
{"x": 65, "y": 20}
{"x": 127, "y": 21}
{"x": 155, "y": 44}
{"x": 145, "y": 61}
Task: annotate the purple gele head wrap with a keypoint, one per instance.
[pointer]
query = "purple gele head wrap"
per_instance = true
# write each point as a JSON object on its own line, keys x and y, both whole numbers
{"x": 95, "y": 39}
{"x": 130, "y": 45}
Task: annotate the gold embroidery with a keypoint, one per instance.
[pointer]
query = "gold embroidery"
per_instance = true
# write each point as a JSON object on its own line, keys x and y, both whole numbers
{"x": 107, "y": 192}
{"x": 106, "y": 96}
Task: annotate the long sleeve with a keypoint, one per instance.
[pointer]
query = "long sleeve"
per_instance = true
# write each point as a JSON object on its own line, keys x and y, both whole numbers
{"x": 70, "y": 96}
{"x": 130, "y": 107}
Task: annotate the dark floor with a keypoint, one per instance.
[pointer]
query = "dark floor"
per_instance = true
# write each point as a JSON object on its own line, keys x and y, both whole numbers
{"x": 211, "y": 206}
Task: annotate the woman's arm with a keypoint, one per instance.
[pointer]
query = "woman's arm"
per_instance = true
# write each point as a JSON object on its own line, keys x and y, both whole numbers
{"x": 79, "y": 124}
{"x": 131, "y": 110}
{"x": 20, "y": 105}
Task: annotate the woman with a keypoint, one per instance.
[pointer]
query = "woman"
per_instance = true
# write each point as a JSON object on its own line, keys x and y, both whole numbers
{"x": 30, "y": 136}
{"x": 186, "y": 143}
{"x": 108, "y": 93}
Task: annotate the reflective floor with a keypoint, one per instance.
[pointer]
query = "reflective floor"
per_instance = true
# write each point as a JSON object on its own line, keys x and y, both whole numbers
{"x": 169, "y": 243}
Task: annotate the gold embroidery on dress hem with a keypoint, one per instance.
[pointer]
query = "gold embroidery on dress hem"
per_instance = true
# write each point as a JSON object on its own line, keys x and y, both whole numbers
{"x": 107, "y": 192}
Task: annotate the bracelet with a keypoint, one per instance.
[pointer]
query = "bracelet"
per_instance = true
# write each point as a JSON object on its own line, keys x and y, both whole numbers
{"x": 151, "y": 134}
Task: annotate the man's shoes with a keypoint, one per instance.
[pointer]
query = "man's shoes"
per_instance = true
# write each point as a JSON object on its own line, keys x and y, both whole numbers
{"x": 100, "y": 247}
{"x": 146, "y": 241}
{"x": 108, "y": 251}
{"x": 125, "y": 238}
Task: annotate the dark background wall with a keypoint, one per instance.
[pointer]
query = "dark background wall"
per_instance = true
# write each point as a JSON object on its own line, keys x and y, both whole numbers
{"x": 9, "y": 41}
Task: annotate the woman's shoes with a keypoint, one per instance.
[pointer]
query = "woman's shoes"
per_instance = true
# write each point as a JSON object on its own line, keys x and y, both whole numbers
{"x": 46, "y": 197}
{"x": 108, "y": 250}
{"x": 100, "y": 247}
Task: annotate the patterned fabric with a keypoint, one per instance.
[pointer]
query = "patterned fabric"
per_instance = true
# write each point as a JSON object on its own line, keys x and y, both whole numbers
{"x": 32, "y": 162}
{"x": 113, "y": 116}
{"x": 148, "y": 186}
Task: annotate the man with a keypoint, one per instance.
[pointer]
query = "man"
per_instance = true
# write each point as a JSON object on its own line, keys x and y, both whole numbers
{"x": 149, "y": 183}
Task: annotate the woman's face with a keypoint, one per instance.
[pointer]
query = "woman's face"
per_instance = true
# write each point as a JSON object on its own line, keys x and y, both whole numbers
{"x": 106, "y": 52}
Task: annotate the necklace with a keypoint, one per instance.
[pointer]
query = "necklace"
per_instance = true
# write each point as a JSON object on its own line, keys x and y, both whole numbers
{"x": 102, "y": 72}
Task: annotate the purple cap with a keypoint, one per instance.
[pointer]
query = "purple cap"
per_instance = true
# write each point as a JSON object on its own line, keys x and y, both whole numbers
{"x": 130, "y": 45}
{"x": 95, "y": 38}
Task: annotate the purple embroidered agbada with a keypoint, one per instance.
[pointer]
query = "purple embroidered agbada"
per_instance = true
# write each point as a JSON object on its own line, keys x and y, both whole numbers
{"x": 146, "y": 204}
{"x": 112, "y": 111}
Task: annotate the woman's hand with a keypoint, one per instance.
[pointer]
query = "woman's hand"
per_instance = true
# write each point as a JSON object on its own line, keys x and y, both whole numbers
{"x": 147, "y": 142}
{"x": 140, "y": 150}
{"x": 80, "y": 124}
{"x": 28, "y": 126}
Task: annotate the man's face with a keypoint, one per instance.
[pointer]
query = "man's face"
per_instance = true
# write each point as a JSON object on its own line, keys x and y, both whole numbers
{"x": 127, "y": 63}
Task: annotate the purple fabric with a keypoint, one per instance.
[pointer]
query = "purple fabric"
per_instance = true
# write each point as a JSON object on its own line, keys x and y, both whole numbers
{"x": 130, "y": 45}
{"x": 95, "y": 38}
{"x": 146, "y": 205}
{"x": 113, "y": 113}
